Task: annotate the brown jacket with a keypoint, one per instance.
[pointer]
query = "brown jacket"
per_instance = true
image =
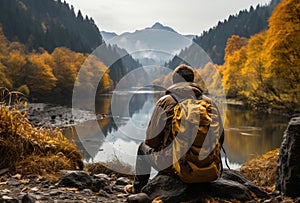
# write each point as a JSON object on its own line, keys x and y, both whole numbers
{"x": 161, "y": 120}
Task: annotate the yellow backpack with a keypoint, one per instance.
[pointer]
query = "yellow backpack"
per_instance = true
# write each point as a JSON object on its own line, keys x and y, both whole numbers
{"x": 196, "y": 147}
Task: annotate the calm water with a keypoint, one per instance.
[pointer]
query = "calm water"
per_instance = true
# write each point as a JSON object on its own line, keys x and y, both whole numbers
{"x": 117, "y": 135}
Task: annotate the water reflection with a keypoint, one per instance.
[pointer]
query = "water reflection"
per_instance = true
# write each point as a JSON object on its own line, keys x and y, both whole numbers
{"x": 117, "y": 134}
{"x": 250, "y": 133}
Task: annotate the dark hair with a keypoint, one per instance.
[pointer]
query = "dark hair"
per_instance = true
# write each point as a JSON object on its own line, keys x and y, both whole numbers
{"x": 183, "y": 73}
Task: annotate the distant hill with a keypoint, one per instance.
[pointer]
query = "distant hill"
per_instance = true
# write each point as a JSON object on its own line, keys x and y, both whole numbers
{"x": 245, "y": 24}
{"x": 153, "y": 45}
{"x": 108, "y": 35}
{"x": 48, "y": 24}
{"x": 159, "y": 26}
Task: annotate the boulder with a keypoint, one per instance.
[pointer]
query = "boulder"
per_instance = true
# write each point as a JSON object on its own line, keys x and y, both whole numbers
{"x": 232, "y": 185}
{"x": 82, "y": 180}
{"x": 76, "y": 179}
{"x": 288, "y": 167}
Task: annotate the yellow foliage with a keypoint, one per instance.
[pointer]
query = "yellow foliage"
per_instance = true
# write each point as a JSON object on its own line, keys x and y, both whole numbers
{"x": 40, "y": 77}
{"x": 232, "y": 80}
{"x": 3, "y": 45}
{"x": 15, "y": 64}
{"x": 234, "y": 43}
{"x": 261, "y": 170}
{"x": 265, "y": 71}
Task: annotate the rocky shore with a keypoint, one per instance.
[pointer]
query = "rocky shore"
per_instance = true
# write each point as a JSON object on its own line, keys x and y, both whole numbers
{"x": 76, "y": 186}
{"x": 81, "y": 186}
{"x": 50, "y": 115}
{"x": 94, "y": 186}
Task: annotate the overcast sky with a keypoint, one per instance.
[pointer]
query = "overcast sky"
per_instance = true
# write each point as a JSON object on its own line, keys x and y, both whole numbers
{"x": 184, "y": 16}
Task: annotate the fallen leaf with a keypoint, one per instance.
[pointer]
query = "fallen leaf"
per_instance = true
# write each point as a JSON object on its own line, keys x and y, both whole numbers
{"x": 6, "y": 198}
{"x": 68, "y": 189}
{"x": 17, "y": 176}
{"x": 35, "y": 189}
{"x": 25, "y": 189}
{"x": 157, "y": 200}
{"x": 4, "y": 183}
{"x": 6, "y": 191}
{"x": 24, "y": 181}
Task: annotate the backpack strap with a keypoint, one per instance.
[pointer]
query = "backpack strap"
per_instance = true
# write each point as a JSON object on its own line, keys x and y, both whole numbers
{"x": 226, "y": 158}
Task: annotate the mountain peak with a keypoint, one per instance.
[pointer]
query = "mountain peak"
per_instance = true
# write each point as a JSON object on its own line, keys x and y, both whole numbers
{"x": 159, "y": 26}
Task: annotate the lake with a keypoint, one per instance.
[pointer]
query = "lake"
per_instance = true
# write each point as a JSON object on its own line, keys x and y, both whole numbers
{"x": 123, "y": 119}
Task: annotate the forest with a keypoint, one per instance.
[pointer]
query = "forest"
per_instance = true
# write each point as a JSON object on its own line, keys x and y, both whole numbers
{"x": 261, "y": 70}
{"x": 46, "y": 77}
{"x": 48, "y": 24}
{"x": 245, "y": 24}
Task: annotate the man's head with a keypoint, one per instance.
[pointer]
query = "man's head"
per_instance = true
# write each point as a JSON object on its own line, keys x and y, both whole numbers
{"x": 183, "y": 73}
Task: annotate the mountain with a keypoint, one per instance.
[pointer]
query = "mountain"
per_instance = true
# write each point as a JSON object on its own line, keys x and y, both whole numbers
{"x": 159, "y": 26}
{"x": 108, "y": 35}
{"x": 153, "y": 45}
{"x": 48, "y": 24}
{"x": 245, "y": 24}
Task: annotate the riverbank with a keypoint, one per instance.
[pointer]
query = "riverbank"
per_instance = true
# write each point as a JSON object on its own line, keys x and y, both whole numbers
{"x": 99, "y": 184}
{"x": 39, "y": 179}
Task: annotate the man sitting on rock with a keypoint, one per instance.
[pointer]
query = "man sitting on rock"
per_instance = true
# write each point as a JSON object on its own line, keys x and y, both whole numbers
{"x": 157, "y": 150}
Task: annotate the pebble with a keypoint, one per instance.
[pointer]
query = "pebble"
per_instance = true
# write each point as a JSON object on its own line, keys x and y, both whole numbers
{"x": 123, "y": 181}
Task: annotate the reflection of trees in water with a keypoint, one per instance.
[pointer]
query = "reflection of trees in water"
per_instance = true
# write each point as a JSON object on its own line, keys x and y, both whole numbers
{"x": 251, "y": 133}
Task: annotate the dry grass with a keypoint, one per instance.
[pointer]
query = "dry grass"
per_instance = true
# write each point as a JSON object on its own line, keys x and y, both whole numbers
{"x": 261, "y": 170}
{"x": 96, "y": 168}
{"x": 28, "y": 150}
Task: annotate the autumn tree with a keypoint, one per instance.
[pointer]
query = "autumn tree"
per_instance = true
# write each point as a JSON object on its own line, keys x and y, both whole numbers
{"x": 3, "y": 44}
{"x": 235, "y": 58}
{"x": 15, "y": 64}
{"x": 211, "y": 78}
{"x": 66, "y": 64}
{"x": 254, "y": 72}
{"x": 93, "y": 79}
{"x": 39, "y": 78}
{"x": 234, "y": 43}
{"x": 4, "y": 81}
{"x": 283, "y": 52}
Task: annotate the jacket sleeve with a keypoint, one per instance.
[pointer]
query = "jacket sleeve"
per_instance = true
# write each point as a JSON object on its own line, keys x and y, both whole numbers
{"x": 160, "y": 122}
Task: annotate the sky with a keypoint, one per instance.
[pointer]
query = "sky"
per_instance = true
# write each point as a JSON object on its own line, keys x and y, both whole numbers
{"x": 184, "y": 16}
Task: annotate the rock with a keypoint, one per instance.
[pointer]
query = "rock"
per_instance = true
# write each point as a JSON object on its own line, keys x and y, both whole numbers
{"x": 238, "y": 177}
{"x": 13, "y": 182}
{"x": 232, "y": 185}
{"x": 103, "y": 193}
{"x": 28, "y": 199}
{"x": 123, "y": 181}
{"x": 7, "y": 199}
{"x": 99, "y": 183}
{"x": 77, "y": 179}
{"x": 288, "y": 167}
{"x": 82, "y": 180}
{"x": 3, "y": 171}
{"x": 55, "y": 192}
{"x": 102, "y": 176}
{"x": 139, "y": 198}
{"x": 118, "y": 188}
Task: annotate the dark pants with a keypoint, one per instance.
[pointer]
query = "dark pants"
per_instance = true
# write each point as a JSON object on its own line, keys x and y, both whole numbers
{"x": 142, "y": 167}
{"x": 147, "y": 158}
